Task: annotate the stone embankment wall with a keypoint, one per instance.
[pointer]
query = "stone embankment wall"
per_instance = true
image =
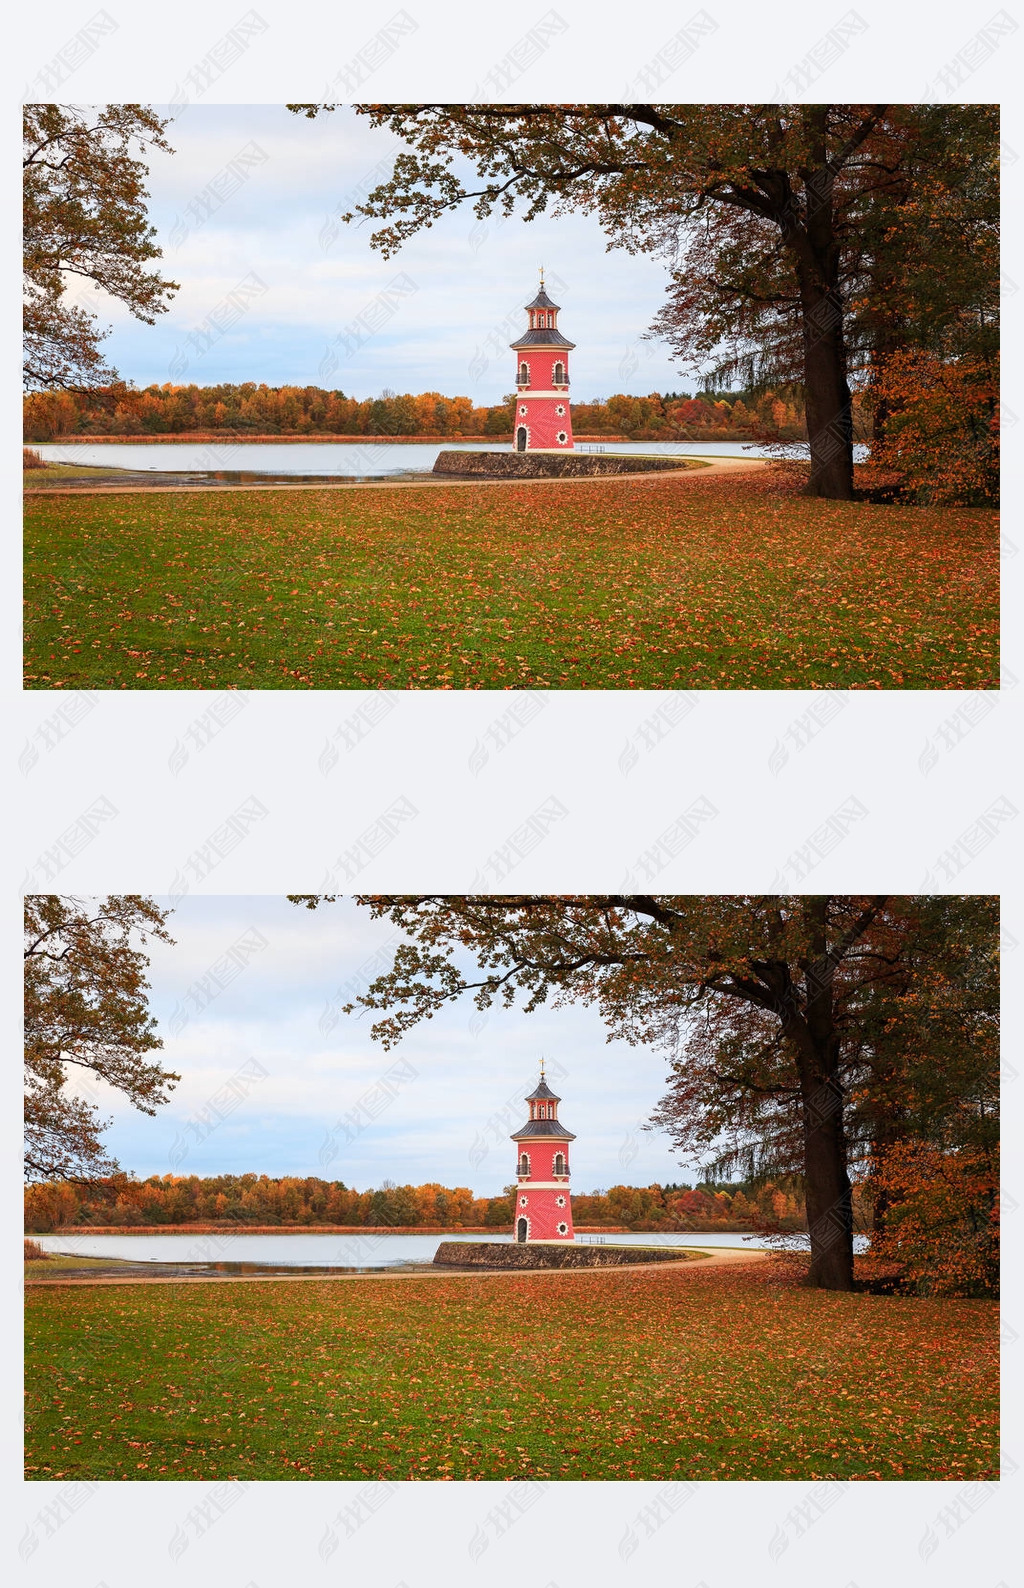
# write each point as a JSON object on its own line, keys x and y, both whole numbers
{"x": 487, "y": 1254}
{"x": 550, "y": 465}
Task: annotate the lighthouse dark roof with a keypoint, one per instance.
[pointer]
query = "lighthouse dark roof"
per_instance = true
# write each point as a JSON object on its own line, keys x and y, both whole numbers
{"x": 542, "y": 301}
{"x": 543, "y": 1127}
{"x": 542, "y": 339}
{"x": 543, "y": 1090}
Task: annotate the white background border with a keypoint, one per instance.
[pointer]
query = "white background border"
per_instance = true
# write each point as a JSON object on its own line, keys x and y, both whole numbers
{"x": 723, "y": 798}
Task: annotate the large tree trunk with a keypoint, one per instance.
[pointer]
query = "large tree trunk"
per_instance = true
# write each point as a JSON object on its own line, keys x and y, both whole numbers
{"x": 826, "y": 1179}
{"x": 815, "y": 248}
{"x": 826, "y": 1183}
{"x": 826, "y": 389}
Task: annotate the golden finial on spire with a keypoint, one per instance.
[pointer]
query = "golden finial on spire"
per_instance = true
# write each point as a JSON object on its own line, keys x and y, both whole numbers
{"x": 542, "y": 1066}
{"x": 542, "y": 278}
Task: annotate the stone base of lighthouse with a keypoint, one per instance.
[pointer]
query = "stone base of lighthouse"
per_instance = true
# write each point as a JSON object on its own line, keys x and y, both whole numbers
{"x": 539, "y": 465}
{"x": 555, "y": 1254}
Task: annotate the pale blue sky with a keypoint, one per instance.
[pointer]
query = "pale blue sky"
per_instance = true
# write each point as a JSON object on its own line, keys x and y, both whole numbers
{"x": 251, "y": 195}
{"x": 269, "y": 1066}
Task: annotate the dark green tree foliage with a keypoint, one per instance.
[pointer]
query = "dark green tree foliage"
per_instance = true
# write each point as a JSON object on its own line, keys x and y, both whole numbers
{"x": 917, "y": 1070}
{"x": 917, "y": 229}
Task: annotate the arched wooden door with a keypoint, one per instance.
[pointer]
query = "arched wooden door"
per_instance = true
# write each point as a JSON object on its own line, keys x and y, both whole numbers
{"x": 521, "y": 439}
{"x": 521, "y": 1230}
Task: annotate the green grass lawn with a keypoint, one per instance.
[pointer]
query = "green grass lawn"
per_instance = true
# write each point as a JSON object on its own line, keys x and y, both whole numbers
{"x": 725, "y": 1373}
{"x": 716, "y": 583}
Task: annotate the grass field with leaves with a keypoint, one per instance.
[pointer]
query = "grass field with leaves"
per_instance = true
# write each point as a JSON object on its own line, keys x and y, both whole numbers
{"x": 730, "y": 1373}
{"x": 721, "y": 583}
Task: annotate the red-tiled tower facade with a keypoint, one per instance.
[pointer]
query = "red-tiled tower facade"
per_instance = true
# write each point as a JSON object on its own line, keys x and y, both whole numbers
{"x": 542, "y": 381}
{"x": 543, "y": 1210}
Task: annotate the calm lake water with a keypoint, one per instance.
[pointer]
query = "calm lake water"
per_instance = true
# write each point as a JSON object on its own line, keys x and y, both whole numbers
{"x": 359, "y": 460}
{"x": 326, "y": 1251}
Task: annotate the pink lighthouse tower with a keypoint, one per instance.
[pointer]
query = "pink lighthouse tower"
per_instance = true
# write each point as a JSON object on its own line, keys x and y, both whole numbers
{"x": 543, "y": 1210}
{"x": 542, "y": 381}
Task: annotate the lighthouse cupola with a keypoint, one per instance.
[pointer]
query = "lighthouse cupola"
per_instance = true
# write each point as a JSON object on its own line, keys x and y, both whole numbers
{"x": 543, "y": 1210}
{"x": 542, "y": 420}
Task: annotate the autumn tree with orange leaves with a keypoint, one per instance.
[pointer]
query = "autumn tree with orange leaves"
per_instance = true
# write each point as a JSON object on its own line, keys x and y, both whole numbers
{"x": 86, "y": 1020}
{"x": 85, "y": 222}
{"x": 788, "y": 225}
{"x": 639, "y": 958}
{"x": 783, "y": 1005}
{"x": 941, "y": 437}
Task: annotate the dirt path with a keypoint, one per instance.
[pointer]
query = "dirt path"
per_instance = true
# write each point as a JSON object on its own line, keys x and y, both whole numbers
{"x": 720, "y": 466}
{"x": 718, "y": 1257}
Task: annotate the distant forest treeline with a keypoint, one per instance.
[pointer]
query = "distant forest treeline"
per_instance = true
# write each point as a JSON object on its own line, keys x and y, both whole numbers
{"x": 252, "y": 410}
{"x": 261, "y": 1200}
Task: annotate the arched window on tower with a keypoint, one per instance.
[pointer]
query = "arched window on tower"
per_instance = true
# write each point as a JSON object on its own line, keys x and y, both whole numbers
{"x": 524, "y": 374}
{"x": 558, "y": 374}
{"x": 559, "y": 1167}
{"x": 524, "y": 1163}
